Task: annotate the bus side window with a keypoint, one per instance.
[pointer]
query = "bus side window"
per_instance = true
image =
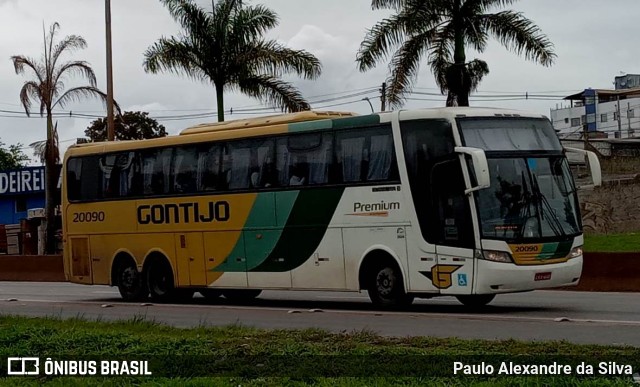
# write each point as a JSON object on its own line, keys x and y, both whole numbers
{"x": 304, "y": 159}
{"x": 263, "y": 169}
{"x": 450, "y": 205}
{"x": 238, "y": 165}
{"x": 426, "y": 144}
{"x": 209, "y": 165}
{"x": 381, "y": 158}
{"x": 185, "y": 164}
{"x": 351, "y": 156}
{"x": 74, "y": 171}
{"x": 299, "y": 173}
{"x": 156, "y": 171}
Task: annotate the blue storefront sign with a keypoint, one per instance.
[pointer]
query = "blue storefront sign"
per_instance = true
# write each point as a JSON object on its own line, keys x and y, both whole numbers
{"x": 24, "y": 181}
{"x": 21, "y": 190}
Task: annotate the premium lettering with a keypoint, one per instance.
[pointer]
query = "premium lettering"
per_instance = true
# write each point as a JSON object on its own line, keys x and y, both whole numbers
{"x": 382, "y": 206}
{"x": 183, "y": 213}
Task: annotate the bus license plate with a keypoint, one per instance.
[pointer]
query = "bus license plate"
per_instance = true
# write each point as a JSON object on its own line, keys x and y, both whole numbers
{"x": 542, "y": 276}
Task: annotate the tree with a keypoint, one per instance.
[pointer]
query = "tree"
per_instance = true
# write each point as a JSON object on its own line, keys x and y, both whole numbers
{"x": 12, "y": 157}
{"x": 441, "y": 30}
{"x": 225, "y": 47}
{"x": 47, "y": 88}
{"x": 128, "y": 126}
{"x": 40, "y": 148}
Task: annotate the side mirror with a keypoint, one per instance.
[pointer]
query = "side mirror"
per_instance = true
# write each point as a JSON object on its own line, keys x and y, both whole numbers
{"x": 594, "y": 167}
{"x": 480, "y": 167}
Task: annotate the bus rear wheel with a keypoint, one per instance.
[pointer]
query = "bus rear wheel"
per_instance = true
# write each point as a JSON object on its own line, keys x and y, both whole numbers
{"x": 476, "y": 300}
{"x": 386, "y": 288}
{"x": 241, "y": 295}
{"x": 161, "y": 285}
{"x": 131, "y": 284}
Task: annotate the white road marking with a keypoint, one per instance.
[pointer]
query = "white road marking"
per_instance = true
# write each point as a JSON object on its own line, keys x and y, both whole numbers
{"x": 343, "y": 297}
{"x": 377, "y": 313}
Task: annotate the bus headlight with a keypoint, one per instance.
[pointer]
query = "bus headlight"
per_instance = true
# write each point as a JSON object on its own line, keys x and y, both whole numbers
{"x": 575, "y": 252}
{"x": 497, "y": 256}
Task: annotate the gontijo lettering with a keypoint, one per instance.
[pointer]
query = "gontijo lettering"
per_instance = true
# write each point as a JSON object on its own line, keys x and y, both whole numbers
{"x": 183, "y": 213}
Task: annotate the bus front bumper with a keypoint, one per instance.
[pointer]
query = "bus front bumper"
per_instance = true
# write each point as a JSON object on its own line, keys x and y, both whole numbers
{"x": 496, "y": 277}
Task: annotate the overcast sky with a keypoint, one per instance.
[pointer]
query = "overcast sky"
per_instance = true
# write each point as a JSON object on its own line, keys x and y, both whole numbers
{"x": 595, "y": 40}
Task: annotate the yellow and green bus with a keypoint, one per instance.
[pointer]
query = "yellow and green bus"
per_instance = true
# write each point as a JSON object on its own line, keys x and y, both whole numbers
{"x": 465, "y": 202}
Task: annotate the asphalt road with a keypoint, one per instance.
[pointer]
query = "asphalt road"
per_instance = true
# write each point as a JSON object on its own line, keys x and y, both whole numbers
{"x": 580, "y": 317}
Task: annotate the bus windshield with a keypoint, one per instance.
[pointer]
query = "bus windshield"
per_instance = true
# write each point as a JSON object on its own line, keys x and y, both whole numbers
{"x": 529, "y": 198}
{"x": 532, "y": 195}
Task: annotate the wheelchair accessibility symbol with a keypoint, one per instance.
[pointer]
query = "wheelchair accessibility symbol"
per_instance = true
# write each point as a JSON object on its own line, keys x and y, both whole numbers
{"x": 462, "y": 279}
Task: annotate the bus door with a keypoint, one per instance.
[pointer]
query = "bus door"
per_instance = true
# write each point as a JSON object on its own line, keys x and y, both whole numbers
{"x": 454, "y": 234}
{"x": 444, "y": 263}
{"x": 80, "y": 269}
{"x": 190, "y": 259}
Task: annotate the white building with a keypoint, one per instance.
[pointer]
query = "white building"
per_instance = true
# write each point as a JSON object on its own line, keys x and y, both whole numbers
{"x": 605, "y": 113}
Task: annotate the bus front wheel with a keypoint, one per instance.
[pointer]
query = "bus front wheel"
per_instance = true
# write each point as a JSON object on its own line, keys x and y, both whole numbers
{"x": 161, "y": 285}
{"x": 131, "y": 283}
{"x": 386, "y": 288}
{"x": 476, "y": 300}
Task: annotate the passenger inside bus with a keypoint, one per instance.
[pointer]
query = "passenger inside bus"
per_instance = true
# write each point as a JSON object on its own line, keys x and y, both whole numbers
{"x": 297, "y": 175}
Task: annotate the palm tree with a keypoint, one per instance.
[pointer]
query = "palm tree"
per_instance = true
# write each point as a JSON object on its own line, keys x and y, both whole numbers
{"x": 40, "y": 147}
{"x": 225, "y": 47}
{"x": 47, "y": 87}
{"x": 441, "y": 30}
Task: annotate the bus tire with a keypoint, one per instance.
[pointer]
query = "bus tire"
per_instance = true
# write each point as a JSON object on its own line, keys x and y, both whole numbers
{"x": 210, "y": 294}
{"x": 161, "y": 284}
{"x": 386, "y": 286}
{"x": 241, "y": 295}
{"x": 476, "y": 300}
{"x": 130, "y": 281}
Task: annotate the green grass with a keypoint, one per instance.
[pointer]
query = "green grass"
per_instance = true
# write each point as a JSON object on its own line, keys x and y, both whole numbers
{"x": 612, "y": 243}
{"x": 238, "y": 355}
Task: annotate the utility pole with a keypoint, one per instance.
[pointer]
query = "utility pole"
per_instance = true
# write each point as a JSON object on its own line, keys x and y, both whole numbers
{"x": 628, "y": 119}
{"x": 110, "y": 120}
{"x": 383, "y": 96}
{"x": 619, "y": 118}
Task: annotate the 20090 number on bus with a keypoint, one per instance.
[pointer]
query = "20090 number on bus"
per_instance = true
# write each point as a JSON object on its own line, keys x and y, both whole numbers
{"x": 183, "y": 213}
{"x": 91, "y": 216}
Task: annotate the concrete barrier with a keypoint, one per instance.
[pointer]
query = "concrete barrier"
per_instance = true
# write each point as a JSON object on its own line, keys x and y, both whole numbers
{"x": 602, "y": 272}
{"x": 610, "y": 272}
{"x": 41, "y": 268}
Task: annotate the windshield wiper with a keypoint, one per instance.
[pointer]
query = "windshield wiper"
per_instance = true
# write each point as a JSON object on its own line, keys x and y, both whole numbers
{"x": 554, "y": 223}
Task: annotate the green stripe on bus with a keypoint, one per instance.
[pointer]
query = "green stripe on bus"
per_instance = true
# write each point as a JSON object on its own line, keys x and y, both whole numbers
{"x": 563, "y": 249}
{"x": 357, "y": 121}
{"x": 259, "y": 244}
{"x": 284, "y": 204}
{"x": 548, "y": 251}
{"x": 232, "y": 262}
{"x": 262, "y": 212}
{"x": 555, "y": 250}
{"x": 296, "y": 127}
{"x": 256, "y": 242}
{"x": 261, "y": 215}
{"x": 304, "y": 231}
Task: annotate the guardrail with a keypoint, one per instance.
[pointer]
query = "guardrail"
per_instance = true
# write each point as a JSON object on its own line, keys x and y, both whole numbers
{"x": 602, "y": 272}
